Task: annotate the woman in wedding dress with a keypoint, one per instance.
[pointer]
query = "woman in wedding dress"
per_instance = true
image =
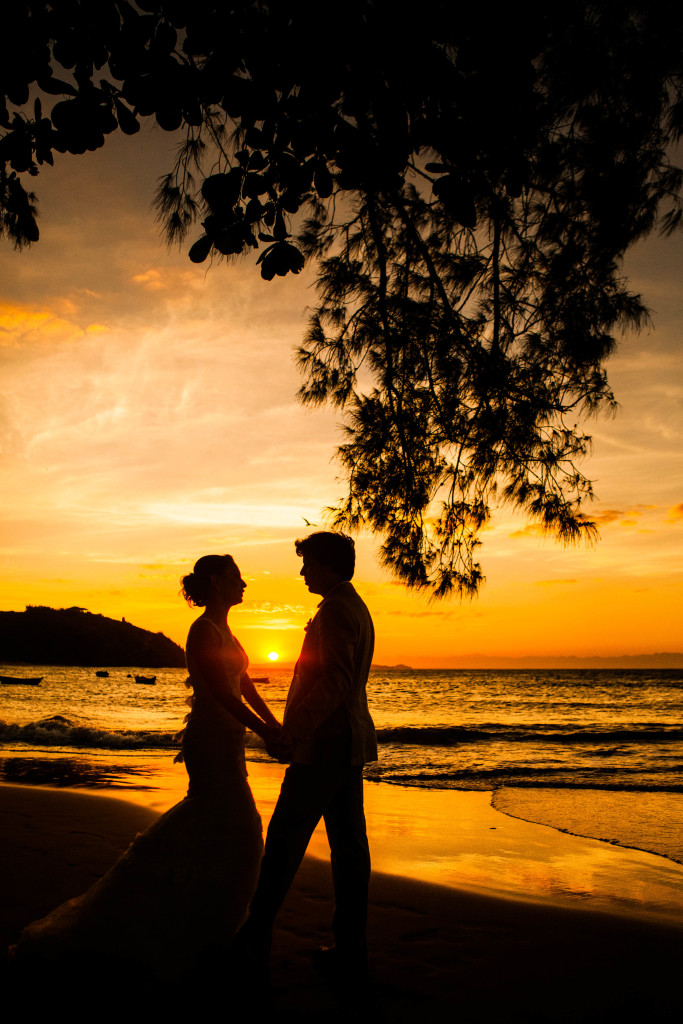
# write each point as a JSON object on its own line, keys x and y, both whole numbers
{"x": 174, "y": 900}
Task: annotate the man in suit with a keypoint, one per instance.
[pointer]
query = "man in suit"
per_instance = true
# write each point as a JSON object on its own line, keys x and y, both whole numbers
{"x": 328, "y": 736}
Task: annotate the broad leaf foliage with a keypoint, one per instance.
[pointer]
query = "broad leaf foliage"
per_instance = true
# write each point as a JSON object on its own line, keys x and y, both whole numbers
{"x": 467, "y": 182}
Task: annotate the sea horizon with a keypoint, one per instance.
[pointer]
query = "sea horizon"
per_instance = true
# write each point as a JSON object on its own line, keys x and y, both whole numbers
{"x": 483, "y": 663}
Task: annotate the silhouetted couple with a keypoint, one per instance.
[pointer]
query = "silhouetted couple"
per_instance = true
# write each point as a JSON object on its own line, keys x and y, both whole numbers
{"x": 176, "y": 898}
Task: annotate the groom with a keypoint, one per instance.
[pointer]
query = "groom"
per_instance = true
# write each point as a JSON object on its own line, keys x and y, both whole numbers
{"x": 328, "y": 736}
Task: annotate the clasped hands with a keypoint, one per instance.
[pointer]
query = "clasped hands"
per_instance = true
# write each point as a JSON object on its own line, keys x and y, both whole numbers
{"x": 278, "y": 745}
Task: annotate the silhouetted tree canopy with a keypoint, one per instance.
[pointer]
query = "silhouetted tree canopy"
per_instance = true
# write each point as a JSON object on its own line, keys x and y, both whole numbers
{"x": 468, "y": 180}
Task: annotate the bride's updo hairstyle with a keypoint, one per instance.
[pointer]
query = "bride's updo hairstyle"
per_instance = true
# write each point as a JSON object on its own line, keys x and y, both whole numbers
{"x": 196, "y": 586}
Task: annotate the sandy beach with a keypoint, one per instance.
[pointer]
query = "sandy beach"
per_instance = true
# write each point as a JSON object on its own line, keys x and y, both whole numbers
{"x": 456, "y": 948}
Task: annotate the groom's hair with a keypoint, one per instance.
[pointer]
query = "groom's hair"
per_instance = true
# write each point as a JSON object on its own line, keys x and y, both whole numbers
{"x": 335, "y": 550}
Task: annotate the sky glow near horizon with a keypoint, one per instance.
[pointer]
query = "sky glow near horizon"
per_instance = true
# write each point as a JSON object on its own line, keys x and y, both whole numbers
{"x": 149, "y": 416}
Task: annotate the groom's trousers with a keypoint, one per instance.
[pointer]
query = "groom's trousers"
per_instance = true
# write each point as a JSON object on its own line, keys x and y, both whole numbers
{"x": 309, "y": 793}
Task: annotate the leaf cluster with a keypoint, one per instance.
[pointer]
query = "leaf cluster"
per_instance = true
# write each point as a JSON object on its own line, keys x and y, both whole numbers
{"x": 467, "y": 185}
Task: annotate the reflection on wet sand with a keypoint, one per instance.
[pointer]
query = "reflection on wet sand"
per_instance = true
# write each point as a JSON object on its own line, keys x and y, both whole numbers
{"x": 74, "y": 772}
{"x": 456, "y": 838}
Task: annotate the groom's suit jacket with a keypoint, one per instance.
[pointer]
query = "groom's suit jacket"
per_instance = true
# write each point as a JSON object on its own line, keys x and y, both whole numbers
{"x": 327, "y": 716}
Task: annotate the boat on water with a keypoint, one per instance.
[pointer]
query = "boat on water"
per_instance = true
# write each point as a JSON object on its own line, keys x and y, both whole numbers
{"x": 147, "y": 680}
{"x": 102, "y": 673}
{"x": 21, "y": 680}
{"x": 259, "y": 679}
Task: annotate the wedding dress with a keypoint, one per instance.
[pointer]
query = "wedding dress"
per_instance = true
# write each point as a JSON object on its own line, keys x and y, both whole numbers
{"x": 181, "y": 890}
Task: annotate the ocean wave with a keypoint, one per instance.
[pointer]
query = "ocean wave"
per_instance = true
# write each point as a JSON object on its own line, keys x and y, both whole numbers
{"x": 526, "y": 777}
{"x": 58, "y": 731}
{"x": 71, "y": 732}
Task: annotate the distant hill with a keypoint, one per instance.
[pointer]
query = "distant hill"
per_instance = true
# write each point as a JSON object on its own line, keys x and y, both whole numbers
{"x": 75, "y": 636}
{"x": 391, "y": 668}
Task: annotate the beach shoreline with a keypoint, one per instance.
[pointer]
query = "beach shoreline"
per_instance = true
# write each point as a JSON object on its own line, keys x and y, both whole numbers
{"x": 458, "y": 839}
{"x": 433, "y": 948}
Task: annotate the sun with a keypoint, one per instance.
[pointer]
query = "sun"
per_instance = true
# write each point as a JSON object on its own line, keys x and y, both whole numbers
{"x": 273, "y": 656}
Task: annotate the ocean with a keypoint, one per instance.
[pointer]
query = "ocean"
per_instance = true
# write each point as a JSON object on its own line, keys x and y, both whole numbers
{"x": 595, "y": 753}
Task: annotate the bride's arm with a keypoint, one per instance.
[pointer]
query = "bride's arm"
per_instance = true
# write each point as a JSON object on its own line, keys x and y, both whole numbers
{"x": 254, "y": 698}
{"x": 206, "y": 653}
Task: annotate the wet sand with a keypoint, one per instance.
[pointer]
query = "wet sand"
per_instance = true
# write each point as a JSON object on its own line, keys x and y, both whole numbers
{"x": 460, "y": 949}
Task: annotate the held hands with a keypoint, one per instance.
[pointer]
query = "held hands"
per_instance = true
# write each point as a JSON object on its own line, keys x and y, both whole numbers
{"x": 278, "y": 745}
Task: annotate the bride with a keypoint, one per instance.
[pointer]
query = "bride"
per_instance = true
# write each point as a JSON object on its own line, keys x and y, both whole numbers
{"x": 174, "y": 900}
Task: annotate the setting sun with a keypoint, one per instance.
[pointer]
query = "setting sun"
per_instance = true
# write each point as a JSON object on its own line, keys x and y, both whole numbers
{"x": 273, "y": 656}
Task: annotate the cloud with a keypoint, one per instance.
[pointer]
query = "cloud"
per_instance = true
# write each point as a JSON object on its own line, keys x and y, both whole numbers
{"x": 601, "y": 517}
{"x": 407, "y": 614}
{"x": 675, "y": 514}
{"x": 272, "y": 623}
{"x": 234, "y": 513}
{"x": 267, "y": 608}
{"x": 167, "y": 279}
{"x": 24, "y": 324}
{"x": 159, "y": 566}
{"x": 553, "y": 583}
{"x": 151, "y": 279}
{"x": 530, "y": 530}
{"x": 609, "y": 515}
{"x": 632, "y": 516}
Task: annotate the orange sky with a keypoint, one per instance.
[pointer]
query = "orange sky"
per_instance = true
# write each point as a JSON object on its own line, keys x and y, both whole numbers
{"x": 148, "y": 417}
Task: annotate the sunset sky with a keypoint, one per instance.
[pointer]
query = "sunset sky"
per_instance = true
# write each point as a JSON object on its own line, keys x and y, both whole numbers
{"x": 149, "y": 416}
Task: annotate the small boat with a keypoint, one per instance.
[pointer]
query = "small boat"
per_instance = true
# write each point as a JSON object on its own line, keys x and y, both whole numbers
{"x": 21, "y": 680}
{"x": 147, "y": 680}
{"x": 102, "y": 673}
{"x": 259, "y": 679}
